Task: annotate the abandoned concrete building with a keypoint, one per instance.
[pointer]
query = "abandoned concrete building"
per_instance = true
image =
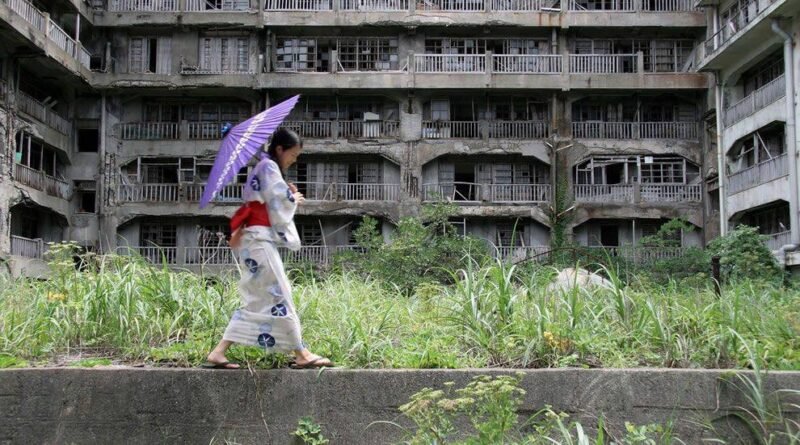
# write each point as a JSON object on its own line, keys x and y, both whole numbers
{"x": 642, "y": 110}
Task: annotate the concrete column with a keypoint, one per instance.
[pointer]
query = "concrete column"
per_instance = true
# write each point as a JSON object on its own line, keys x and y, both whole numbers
{"x": 334, "y": 66}
{"x": 411, "y": 119}
{"x": 722, "y": 175}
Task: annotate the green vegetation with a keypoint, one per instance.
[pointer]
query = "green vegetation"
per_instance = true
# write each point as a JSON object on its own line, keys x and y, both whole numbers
{"x": 483, "y": 314}
{"x": 308, "y": 432}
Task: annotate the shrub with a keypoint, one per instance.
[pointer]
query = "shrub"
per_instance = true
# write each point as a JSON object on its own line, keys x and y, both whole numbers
{"x": 743, "y": 255}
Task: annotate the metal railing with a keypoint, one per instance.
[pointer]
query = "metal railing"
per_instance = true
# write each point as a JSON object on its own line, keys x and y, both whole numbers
{"x": 603, "y": 193}
{"x": 217, "y": 5}
{"x": 42, "y": 113}
{"x": 526, "y": 64}
{"x": 299, "y": 5}
{"x": 670, "y": 192}
{"x": 749, "y": 11}
{"x": 475, "y": 192}
{"x": 320, "y": 191}
{"x": 450, "y": 63}
{"x": 758, "y": 174}
{"x": 143, "y": 5}
{"x": 148, "y": 130}
{"x": 231, "y": 193}
{"x": 603, "y": 63}
{"x": 453, "y": 5}
{"x": 635, "y": 130}
{"x": 366, "y": 129}
{"x": 373, "y": 5}
{"x": 27, "y": 247}
{"x": 41, "y": 181}
{"x": 756, "y": 100}
{"x": 147, "y": 193}
{"x": 777, "y": 240}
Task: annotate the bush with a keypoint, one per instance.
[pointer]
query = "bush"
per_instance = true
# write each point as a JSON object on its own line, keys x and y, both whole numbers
{"x": 743, "y": 255}
{"x": 421, "y": 250}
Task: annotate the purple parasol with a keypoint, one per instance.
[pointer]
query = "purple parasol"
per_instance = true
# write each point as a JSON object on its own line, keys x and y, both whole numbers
{"x": 242, "y": 143}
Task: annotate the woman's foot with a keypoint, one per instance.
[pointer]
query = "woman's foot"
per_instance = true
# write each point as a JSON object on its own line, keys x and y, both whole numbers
{"x": 218, "y": 361}
{"x": 307, "y": 360}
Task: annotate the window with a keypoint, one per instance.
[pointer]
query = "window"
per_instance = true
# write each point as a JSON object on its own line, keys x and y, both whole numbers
{"x": 770, "y": 220}
{"x": 764, "y": 73}
{"x": 225, "y": 54}
{"x": 162, "y": 235}
{"x": 88, "y": 140}
{"x": 440, "y": 110}
{"x": 212, "y": 235}
{"x": 368, "y": 54}
{"x": 662, "y": 172}
{"x": 299, "y": 54}
{"x": 455, "y": 46}
{"x": 150, "y": 55}
{"x": 310, "y": 234}
{"x": 507, "y": 236}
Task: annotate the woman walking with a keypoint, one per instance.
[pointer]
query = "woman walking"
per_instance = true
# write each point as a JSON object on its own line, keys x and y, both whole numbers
{"x": 267, "y": 317}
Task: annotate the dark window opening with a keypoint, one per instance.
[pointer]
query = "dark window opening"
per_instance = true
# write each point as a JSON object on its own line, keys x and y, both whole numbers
{"x": 88, "y": 140}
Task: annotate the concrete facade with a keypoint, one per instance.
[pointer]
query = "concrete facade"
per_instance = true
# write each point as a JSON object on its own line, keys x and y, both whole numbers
{"x": 126, "y": 405}
{"x": 113, "y": 110}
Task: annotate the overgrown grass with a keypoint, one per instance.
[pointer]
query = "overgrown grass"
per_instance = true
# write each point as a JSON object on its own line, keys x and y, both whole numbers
{"x": 493, "y": 315}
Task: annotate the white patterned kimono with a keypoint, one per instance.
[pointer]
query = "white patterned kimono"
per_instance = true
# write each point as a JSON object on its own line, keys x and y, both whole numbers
{"x": 267, "y": 316}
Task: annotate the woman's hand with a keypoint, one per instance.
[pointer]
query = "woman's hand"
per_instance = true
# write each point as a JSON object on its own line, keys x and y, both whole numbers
{"x": 298, "y": 197}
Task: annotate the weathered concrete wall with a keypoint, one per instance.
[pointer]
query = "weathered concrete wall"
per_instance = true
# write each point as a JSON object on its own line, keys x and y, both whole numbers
{"x": 194, "y": 406}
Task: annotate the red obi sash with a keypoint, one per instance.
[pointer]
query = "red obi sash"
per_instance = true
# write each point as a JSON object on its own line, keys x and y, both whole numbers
{"x": 252, "y": 213}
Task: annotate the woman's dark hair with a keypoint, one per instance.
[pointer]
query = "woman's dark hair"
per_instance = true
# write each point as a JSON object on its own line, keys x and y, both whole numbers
{"x": 285, "y": 138}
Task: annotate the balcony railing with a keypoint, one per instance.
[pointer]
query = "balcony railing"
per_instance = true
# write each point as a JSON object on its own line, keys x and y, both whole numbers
{"x": 26, "y": 247}
{"x": 311, "y": 129}
{"x": 671, "y": 192}
{"x": 217, "y": 5}
{"x": 231, "y": 193}
{"x": 367, "y": 129}
{"x": 38, "y": 180}
{"x": 42, "y": 113}
{"x": 637, "y": 254}
{"x": 143, "y": 5}
{"x": 526, "y": 64}
{"x": 518, "y": 129}
{"x": 749, "y": 11}
{"x": 603, "y": 63}
{"x": 757, "y": 100}
{"x": 604, "y": 193}
{"x": 613, "y": 5}
{"x": 777, "y": 240}
{"x": 632, "y": 193}
{"x": 204, "y": 130}
{"x": 30, "y": 13}
{"x": 299, "y": 5}
{"x": 758, "y": 174}
{"x": 668, "y": 5}
{"x": 497, "y": 193}
{"x": 450, "y": 63}
{"x": 200, "y": 71}
{"x": 224, "y": 256}
{"x": 148, "y": 131}
{"x": 635, "y": 130}
{"x": 520, "y": 5}
{"x": 453, "y": 5}
{"x": 147, "y": 192}
{"x": 450, "y": 129}
{"x": 374, "y": 5}
{"x": 319, "y": 191}
{"x": 43, "y": 23}
{"x": 514, "y": 254}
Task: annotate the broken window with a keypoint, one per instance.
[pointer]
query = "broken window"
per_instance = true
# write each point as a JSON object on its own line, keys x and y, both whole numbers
{"x": 510, "y": 234}
{"x": 368, "y": 54}
{"x": 765, "y": 72}
{"x": 162, "y": 235}
{"x": 86, "y": 196}
{"x": 301, "y": 54}
{"x": 771, "y": 220}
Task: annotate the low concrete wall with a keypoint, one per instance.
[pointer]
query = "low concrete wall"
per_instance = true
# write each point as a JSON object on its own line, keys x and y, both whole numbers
{"x": 149, "y": 406}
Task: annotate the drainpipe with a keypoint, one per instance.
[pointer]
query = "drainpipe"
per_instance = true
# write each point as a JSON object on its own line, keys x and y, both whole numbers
{"x": 722, "y": 176}
{"x": 101, "y": 183}
{"x": 791, "y": 135}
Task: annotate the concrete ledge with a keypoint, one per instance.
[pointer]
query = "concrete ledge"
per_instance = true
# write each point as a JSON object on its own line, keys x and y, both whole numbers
{"x": 145, "y": 406}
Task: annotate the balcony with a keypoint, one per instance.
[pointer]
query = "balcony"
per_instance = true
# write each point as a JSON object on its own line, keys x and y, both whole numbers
{"x": 319, "y": 191}
{"x": 345, "y": 129}
{"x": 636, "y": 254}
{"x": 777, "y": 240}
{"x": 604, "y": 63}
{"x": 373, "y": 5}
{"x": 750, "y": 11}
{"x": 148, "y": 5}
{"x": 43, "y": 114}
{"x": 223, "y": 256}
{"x": 28, "y": 248}
{"x": 485, "y": 129}
{"x": 214, "y": 6}
{"x": 474, "y": 6}
{"x": 38, "y": 180}
{"x": 148, "y": 131}
{"x": 637, "y": 193}
{"x": 43, "y": 23}
{"x": 757, "y": 100}
{"x": 450, "y": 63}
{"x": 758, "y": 174}
{"x": 526, "y": 64}
{"x": 635, "y": 130}
{"x": 469, "y": 192}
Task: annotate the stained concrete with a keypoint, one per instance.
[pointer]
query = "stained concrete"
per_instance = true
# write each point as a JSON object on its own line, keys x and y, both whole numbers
{"x": 148, "y": 406}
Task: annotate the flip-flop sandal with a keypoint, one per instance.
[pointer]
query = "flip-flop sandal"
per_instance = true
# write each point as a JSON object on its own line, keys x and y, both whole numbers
{"x": 319, "y": 362}
{"x": 223, "y": 365}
